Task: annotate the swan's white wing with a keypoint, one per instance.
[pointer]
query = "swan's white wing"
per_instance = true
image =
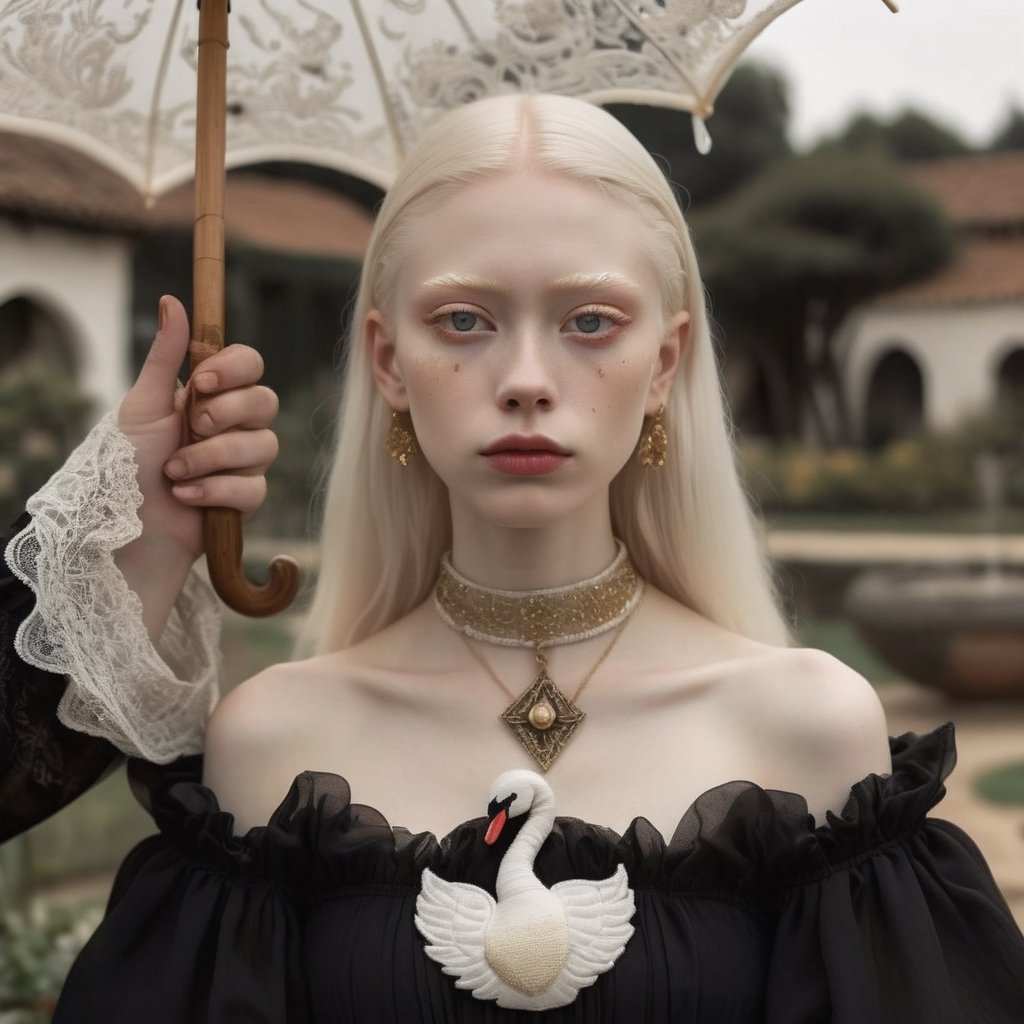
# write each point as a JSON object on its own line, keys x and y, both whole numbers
{"x": 452, "y": 917}
{"x": 598, "y": 915}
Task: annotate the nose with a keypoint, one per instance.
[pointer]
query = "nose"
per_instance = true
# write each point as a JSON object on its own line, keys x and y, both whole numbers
{"x": 526, "y": 380}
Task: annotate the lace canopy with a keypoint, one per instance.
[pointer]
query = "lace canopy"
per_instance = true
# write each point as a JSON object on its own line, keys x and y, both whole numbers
{"x": 348, "y": 85}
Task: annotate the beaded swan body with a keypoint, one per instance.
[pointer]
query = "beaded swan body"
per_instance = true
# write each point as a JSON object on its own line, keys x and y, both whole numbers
{"x": 532, "y": 948}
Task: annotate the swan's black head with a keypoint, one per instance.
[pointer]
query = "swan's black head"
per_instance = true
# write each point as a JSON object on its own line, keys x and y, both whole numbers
{"x": 497, "y": 814}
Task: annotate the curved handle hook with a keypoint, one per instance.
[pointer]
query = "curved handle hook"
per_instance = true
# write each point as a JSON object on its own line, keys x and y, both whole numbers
{"x": 222, "y": 538}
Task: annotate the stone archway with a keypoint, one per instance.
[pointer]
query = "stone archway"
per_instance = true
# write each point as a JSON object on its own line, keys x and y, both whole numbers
{"x": 1010, "y": 375}
{"x": 34, "y": 337}
{"x": 894, "y": 406}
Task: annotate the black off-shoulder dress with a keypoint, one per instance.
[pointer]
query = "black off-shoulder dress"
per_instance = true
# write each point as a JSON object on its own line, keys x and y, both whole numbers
{"x": 748, "y": 914}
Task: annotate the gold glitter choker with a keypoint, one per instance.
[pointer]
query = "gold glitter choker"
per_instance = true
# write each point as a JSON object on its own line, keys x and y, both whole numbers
{"x": 543, "y": 718}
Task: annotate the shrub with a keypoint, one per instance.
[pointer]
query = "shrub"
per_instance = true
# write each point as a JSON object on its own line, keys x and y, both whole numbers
{"x": 926, "y": 472}
{"x": 37, "y": 948}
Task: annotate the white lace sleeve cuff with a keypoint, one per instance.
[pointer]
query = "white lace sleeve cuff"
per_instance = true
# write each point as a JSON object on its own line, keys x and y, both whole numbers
{"x": 87, "y": 624}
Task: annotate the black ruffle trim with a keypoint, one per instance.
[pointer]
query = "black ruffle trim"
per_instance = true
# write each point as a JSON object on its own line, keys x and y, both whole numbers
{"x": 736, "y": 841}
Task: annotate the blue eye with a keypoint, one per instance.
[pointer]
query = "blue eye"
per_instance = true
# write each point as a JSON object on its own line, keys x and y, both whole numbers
{"x": 588, "y": 323}
{"x": 463, "y": 321}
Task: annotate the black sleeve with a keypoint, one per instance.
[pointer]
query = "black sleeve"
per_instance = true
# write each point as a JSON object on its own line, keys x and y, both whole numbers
{"x": 43, "y": 764}
{"x": 895, "y": 917}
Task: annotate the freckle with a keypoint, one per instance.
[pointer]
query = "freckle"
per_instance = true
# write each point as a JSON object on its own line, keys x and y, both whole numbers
{"x": 456, "y": 367}
{"x": 600, "y": 371}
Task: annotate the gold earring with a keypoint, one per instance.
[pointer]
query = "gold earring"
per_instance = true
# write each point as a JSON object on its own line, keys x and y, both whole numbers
{"x": 401, "y": 441}
{"x": 654, "y": 443}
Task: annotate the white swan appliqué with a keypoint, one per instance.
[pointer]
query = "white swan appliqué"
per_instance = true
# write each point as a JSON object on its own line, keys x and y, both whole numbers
{"x": 533, "y": 948}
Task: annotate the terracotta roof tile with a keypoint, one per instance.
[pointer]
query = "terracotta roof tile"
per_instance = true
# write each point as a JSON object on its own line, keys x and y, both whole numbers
{"x": 42, "y": 179}
{"x": 983, "y": 191}
{"x": 983, "y": 270}
{"x": 279, "y": 214}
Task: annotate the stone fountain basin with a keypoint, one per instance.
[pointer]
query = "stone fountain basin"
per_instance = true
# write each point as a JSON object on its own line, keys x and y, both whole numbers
{"x": 956, "y": 631}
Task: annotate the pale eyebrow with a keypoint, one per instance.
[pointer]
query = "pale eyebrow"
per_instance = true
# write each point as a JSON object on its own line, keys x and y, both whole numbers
{"x": 587, "y": 282}
{"x": 568, "y": 283}
{"x": 457, "y": 280}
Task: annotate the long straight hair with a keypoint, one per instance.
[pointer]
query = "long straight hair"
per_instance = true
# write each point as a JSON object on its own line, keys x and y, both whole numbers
{"x": 688, "y": 526}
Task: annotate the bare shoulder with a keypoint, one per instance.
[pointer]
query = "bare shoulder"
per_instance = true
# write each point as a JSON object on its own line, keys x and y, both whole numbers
{"x": 256, "y": 738}
{"x": 818, "y": 724}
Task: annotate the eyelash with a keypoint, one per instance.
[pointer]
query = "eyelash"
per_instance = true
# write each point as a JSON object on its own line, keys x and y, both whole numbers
{"x": 617, "y": 318}
{"x": 437, "y": 319}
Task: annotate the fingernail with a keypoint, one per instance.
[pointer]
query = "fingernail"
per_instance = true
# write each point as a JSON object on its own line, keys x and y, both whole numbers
{"x": 205, "y": 381}
{"x": 187, "y": 491}
{"x": 204, "y": 424}
{"x": 176, "y": 468}
{"x": 162, "y": 312}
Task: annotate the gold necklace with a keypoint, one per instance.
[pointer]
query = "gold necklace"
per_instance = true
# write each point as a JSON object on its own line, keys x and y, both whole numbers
{"x": 542, "y": 718}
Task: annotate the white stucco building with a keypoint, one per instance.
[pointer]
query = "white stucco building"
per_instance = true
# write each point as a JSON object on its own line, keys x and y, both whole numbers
{"x": 64, "y": 299}
{"x": 70, "y": 236}
{"x": 950, "y": 344}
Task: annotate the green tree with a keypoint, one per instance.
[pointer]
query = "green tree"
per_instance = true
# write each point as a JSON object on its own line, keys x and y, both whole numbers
{"x": 910, "y": 135}
{"x": 43, "y": 416}
{"x": 748, "y": 131}
{"x": 1011, "y": 135}
{"x": 790, "y": 255}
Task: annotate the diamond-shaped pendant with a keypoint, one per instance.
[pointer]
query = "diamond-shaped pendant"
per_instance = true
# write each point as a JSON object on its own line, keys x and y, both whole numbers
{"x": 543, "y": 719}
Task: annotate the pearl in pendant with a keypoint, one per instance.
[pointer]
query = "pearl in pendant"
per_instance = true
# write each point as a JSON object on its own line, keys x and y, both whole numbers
{"x": 542, "y": 715}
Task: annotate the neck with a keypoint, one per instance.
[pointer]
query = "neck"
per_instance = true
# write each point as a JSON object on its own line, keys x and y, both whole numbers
{"x": 530, "y": 558}
{"x": 515, "y": 874}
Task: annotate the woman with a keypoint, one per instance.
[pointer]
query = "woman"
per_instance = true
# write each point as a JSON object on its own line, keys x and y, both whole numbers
{"x": 531, "y": 388}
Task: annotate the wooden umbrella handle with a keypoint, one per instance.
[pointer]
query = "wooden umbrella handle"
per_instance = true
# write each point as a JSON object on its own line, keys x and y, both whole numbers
{"x": 222, "y": 527}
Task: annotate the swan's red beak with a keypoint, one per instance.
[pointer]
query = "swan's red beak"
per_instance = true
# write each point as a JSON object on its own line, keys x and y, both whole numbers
{"x": 495, "y": 827}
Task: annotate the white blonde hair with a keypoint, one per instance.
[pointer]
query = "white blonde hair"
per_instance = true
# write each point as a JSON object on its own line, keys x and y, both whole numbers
{"x": 688, "y": 525}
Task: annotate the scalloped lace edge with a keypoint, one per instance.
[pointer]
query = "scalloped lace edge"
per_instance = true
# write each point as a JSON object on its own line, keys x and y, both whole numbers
{"x": 148, "y": 701}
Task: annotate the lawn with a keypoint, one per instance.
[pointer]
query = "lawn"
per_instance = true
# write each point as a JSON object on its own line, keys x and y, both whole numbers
{"x": 1004, "y": 785}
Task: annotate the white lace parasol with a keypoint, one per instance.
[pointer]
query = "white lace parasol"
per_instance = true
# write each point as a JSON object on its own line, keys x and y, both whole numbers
{"x": 345, "y": 83}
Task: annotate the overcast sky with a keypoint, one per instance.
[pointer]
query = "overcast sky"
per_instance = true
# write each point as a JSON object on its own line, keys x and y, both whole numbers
{"x": 961, "y": 61}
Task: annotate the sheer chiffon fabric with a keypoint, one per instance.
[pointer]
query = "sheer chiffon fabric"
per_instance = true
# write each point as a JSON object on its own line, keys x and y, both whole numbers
{"x": 748, "y": 914}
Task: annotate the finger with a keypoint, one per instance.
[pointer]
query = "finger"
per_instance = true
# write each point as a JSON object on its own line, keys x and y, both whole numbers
{"x": 153, "y": 393}
{"x": 234, "y": 366}
{"x": 225, "y": 453}
{"x": 247, "y": 408}
{"x": 245, "y": 494}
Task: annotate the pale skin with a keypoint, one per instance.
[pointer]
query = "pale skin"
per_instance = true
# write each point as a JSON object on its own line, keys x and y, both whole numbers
{"x": 223, "y": 466}
{"x": 529, "y": 305}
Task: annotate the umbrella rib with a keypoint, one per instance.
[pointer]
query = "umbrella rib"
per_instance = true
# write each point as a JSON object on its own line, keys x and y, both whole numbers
{"x": 703, "y": 108}
{"x": 463, "y": 21}
{"x": 378, "y": 74}
{"x": 154, "y": 105}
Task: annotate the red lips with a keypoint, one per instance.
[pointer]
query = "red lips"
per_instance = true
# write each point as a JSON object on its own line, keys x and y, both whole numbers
{"x": 521, "y": 455}
{"x": 524, "y": 443}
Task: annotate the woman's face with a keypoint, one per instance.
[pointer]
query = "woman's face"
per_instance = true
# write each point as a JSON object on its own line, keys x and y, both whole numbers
{"x": 526, "y": 337}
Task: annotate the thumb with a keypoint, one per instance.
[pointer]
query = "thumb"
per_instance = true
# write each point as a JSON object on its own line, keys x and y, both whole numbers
{"x": 152, "y": 397}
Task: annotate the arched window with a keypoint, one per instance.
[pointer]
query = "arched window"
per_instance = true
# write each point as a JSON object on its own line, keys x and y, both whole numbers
{"x": 44, "y": 415}
{"x": 1010, "y": 376}
{"x": 895, "y": 399}
{"x": 33, "y": 337}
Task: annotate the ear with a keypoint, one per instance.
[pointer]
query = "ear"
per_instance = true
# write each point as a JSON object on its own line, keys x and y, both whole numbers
{"x": 677, "y": 333}
{"x": 384, "y": 361}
